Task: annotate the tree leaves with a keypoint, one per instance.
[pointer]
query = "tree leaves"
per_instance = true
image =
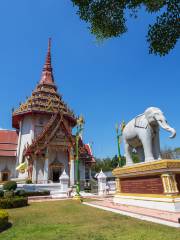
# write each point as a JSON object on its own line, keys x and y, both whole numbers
{"x": 164, "y": 34}
{"x": 107, "y": 19}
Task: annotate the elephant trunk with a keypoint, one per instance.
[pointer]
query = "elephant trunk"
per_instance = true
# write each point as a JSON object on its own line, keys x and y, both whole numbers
{"x": 165, "y": 126}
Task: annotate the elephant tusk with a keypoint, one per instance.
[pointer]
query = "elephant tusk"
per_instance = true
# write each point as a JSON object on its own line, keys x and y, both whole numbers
{"x": 165, "y": 126}
{"x": 172, "y": 130}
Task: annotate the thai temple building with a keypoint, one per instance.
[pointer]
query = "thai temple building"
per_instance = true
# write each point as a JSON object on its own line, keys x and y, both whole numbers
{"x": 43, "y": 136}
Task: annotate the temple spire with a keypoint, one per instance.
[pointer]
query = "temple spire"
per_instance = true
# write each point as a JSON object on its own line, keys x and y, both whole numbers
{"x": 47, "y": 74}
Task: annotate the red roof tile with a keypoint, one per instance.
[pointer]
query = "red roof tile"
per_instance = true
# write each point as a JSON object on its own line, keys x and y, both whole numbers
{"x": 7, "y": 153}
{"x": 8, "y": 143}
{"x": 88, "y": 149}
{"x": 8, "y": 146}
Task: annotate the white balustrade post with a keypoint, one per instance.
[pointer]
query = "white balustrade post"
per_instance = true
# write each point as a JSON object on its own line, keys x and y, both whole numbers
{"x": 101, "y": 184}
{"x": 64, "y": 181}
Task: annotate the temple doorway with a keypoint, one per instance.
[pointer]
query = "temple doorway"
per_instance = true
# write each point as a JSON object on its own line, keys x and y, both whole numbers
{"x": 56, "y": 173}
{"x": 5, "y": 173}
{"x": 55, "y": 170}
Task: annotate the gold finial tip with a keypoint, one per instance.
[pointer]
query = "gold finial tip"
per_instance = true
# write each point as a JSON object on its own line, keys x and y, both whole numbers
{"x": 80, "y": 120}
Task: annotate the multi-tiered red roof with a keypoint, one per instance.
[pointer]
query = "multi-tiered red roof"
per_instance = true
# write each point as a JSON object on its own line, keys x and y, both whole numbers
{"x": 8, "y": 143}
{"x": 44, "y": 99}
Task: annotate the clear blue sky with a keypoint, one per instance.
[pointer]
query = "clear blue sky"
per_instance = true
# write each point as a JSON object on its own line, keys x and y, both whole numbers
{"x": 105, "y": 82}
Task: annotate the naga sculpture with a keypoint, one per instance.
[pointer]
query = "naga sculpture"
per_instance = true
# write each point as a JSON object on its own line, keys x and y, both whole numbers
{"x": 142, "y": 134}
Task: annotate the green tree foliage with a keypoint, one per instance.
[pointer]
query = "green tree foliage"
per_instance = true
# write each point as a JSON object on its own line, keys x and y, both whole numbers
{"x": 169, "y": 153}
{"x": 135, "y": 158}
{"x": 107, "y": 18}
{"x": 104, "y": 164}
{"x": 108, "y": 164}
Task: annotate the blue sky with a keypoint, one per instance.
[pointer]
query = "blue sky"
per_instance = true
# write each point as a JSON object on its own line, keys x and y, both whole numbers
{"x": 105, "y": 82}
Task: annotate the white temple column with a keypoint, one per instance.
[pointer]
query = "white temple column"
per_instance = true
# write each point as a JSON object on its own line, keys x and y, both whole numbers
{"x": 46, "y": 170}
{"x": 72, "y": 168}
{"x": 46, "y": 167}
{"x": 18, "y": 147}
{"x": 34, "y": 177}
{"x": 82, "y": 170}
{"x": 82, "y": 174}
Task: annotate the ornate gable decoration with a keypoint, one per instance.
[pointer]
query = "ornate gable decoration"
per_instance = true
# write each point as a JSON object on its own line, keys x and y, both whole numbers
{"x": 57, "y": 126}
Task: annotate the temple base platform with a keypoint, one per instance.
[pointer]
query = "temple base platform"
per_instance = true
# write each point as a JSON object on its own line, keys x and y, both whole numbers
{"x": 154, "y": 185}
{"x": 153, "y": 202}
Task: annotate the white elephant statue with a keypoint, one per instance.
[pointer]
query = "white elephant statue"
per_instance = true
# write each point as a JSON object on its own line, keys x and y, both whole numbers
{"x": 142, "y": 134}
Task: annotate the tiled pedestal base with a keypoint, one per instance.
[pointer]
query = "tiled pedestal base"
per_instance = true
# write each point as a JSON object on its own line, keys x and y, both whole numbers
{"x": 160, "y": 203}
{"x": 154, "y": 185}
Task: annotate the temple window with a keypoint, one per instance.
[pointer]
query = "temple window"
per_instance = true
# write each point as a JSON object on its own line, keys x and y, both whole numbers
{"x": 5, "y": 176}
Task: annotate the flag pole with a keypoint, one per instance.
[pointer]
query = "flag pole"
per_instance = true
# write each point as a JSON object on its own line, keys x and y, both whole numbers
{"x": 119, "y": 132}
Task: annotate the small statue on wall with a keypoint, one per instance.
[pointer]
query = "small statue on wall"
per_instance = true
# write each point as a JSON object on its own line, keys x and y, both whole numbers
{"x": 142, "y": 134}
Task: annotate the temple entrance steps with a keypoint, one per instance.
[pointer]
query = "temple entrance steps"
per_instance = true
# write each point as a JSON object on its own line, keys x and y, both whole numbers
{"x": 52, "y": 187}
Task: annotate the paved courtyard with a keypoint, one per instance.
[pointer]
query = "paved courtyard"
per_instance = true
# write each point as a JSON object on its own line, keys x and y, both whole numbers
{"x": 164, "y": 217}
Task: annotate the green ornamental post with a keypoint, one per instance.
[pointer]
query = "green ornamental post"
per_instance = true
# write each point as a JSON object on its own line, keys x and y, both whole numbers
{"x": 80, "y": 123}
{"x": 119, "y": 131}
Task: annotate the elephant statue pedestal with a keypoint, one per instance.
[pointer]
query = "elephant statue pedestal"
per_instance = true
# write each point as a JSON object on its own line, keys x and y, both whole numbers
{"x": 154, "y": 185}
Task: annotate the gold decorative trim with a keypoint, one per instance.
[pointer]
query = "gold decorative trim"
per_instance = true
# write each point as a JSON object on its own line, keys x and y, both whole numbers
{"x": 169, "y": 183}
{"x": 167, "y": 164}
{"x": 118, "y": 186}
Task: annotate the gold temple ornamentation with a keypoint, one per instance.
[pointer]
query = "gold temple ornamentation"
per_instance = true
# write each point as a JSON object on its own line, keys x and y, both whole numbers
{"x": 118, "y": 185}
{"x": 159, "y": 165}
{"x": 169, "y": 183}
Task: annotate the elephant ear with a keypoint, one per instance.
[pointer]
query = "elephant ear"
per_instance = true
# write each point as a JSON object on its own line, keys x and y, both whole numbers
{"x": 141, "y": 121}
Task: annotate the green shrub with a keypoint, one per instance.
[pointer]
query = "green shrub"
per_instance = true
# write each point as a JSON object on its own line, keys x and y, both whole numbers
{"x": 20, "y": 193}
{"x": 13, "y": 202}
{"x": 10, "y": 186}
{"x": 1, "y": 193}
{"x": 3, "y": 219}
{"x": 31, "y": 194}
{"x": 28, "y": 181}
{"x": 8, "y": 194}
{"x": 42, "y": 193}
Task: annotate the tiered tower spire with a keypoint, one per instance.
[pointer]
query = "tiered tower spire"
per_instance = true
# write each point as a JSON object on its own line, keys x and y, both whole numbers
{"x": 45, "y": 98}
{"x": 47, "y": 73}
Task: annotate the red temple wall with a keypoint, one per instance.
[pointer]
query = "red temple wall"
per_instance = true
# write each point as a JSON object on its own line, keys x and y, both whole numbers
{"x": 143, "y": 185}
